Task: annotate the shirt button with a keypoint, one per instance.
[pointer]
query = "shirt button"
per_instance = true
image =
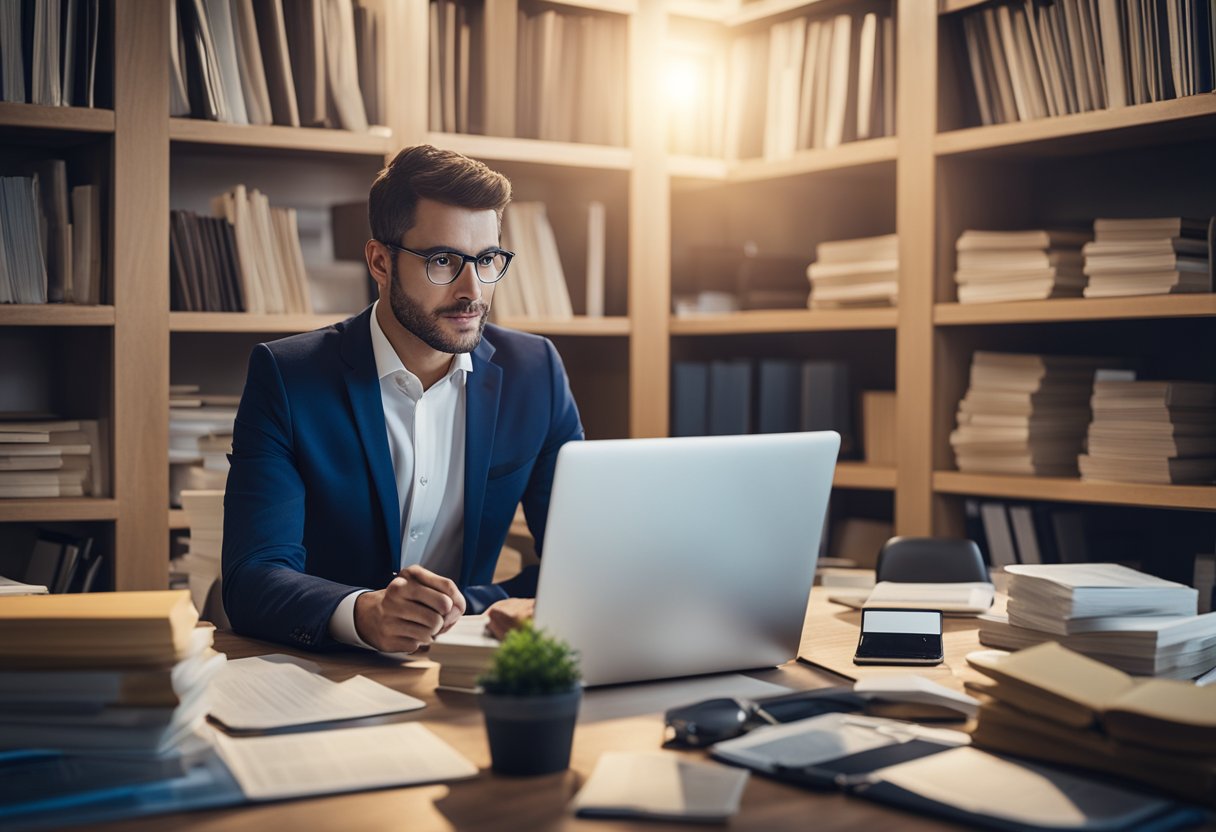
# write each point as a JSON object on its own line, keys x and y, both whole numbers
{"x": 422, "y": 481}
{"x": 414, "y": 534}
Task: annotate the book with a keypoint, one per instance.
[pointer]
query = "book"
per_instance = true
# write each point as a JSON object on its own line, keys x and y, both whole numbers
{"x": 140, "y": 628}
{"x": 463, "y": 653}
{"x": 1057, "y": 684}
{"x": 659, "y": 786}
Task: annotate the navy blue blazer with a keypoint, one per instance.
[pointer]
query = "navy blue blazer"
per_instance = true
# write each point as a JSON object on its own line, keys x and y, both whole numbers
{"x": 311, "y": 509}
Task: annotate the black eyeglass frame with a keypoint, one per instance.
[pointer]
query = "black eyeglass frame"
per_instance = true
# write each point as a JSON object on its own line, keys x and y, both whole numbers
{"x": 465, "y": 258}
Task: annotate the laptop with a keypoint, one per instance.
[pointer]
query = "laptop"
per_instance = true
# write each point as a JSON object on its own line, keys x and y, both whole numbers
{"x": 674, "y": 557}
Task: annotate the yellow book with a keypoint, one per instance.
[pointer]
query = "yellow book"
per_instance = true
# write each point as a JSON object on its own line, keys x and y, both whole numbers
{"x": 96, "y": 629}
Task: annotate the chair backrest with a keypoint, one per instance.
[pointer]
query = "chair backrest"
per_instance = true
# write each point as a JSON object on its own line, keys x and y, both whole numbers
{"x": 931, "y": 560}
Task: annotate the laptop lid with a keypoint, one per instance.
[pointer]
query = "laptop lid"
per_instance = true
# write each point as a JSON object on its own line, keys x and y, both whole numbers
{"x": 671, "y": 557}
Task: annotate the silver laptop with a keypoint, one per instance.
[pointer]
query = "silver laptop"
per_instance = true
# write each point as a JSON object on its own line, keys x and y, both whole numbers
{"x": 671, "y": 557}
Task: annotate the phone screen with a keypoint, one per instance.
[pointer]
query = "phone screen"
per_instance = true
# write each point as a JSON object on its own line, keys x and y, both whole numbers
{"x": 900, "y": 635}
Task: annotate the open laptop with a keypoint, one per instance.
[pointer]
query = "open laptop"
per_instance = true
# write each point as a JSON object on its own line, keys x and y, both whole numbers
{"x": 671, "y": 557}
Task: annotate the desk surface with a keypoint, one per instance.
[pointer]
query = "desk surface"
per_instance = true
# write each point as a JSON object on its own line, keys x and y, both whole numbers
{"x": 492, "y": 802}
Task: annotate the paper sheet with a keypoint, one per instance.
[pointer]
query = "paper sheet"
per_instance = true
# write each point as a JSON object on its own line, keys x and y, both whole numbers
{"x": 343, "y": 760}
{"x": 264, "y": 692}
{"x": 658, "y": 784}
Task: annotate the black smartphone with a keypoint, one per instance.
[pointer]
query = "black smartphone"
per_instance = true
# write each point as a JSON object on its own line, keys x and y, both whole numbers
{"x": 895, "y": 636}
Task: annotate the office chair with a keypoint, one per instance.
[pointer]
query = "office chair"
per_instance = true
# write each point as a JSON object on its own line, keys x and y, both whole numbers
{"x": 931, "y": 560}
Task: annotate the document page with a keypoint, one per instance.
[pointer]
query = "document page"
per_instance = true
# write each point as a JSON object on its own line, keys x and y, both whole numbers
{"x": 968, "y": 597}
{"x": 264, "y": 692}
{"x": 342, "y": 760}
{"x": 660, "y": 785}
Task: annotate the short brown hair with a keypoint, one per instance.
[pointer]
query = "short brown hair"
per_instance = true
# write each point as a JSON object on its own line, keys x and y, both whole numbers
{"x": 427, "y": 172}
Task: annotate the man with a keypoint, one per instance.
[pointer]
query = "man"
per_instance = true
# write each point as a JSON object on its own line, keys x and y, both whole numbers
{"x": 377, "y": 463}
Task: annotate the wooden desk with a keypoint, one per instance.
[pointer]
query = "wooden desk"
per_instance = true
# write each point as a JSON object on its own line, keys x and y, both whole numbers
{"x": 491, "y": 802}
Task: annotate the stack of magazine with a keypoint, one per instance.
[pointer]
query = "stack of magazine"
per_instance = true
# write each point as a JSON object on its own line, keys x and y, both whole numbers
{"x": 1049, "y": 703}
{"x": 1132, "y": 621}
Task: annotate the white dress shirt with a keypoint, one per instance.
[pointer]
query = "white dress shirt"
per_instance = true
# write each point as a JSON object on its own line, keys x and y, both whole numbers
{"x": 426, "y": 431}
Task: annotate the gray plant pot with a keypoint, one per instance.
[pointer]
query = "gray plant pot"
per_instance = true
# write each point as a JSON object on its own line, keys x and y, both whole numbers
{"x": 530, "y": 735}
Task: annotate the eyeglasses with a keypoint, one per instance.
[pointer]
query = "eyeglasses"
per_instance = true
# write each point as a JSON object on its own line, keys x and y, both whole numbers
{"x": 704, "y": 723}
{"x": 443, "y": 267}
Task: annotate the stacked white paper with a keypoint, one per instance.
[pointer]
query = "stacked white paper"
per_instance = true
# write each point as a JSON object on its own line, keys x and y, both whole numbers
{"x": 1139, "y": 623}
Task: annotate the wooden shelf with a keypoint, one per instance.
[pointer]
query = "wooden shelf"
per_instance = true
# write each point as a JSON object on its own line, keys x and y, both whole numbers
{"x": 702, "y": 168}
{"x": 578, "y": 325}
{"x": 248, "y": 322}
{"x": 55, "y": 314}
{"x": 760, "y": 9}
{"x": 60, "y": 509}
{"x": 614, "y": 6}
{"x": 535, "y": 151}
{"x": 1157, "y": 123}
{"x": 864, "y": 475}
{"x": 75, "y": 119}
{"x": 951, "y": 6}
{"x": 1075, "y": 309}
{"x": 306, "y": 139}
{"x": 784, "y": 320}
{"x": 1076, "y": 490}
{"x": 850, "y": 155}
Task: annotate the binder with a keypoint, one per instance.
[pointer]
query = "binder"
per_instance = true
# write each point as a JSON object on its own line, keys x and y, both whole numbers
{"x": 936, "y": 772}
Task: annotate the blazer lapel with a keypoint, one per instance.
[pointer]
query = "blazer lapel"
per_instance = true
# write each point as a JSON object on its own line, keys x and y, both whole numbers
{"x": 481, "y": 418}
{"x": 364, "y": 389}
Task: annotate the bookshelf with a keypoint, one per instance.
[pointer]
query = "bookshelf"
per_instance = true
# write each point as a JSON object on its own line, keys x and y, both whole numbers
{"x": 937, "y": 175}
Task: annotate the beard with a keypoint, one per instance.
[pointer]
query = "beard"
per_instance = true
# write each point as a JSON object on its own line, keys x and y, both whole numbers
{"x": 427, "y": 326}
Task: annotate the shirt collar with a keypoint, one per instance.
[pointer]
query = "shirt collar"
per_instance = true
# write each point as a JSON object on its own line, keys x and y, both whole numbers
{"x": 388, "y": 362}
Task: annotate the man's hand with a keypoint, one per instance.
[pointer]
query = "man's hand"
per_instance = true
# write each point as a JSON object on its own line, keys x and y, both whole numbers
{"x": 416, "y": 606}
{"x": 508, "y": 614}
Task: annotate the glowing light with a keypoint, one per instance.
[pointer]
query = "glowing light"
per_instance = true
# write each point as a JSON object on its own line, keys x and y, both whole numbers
{"x": 682, "y": 81}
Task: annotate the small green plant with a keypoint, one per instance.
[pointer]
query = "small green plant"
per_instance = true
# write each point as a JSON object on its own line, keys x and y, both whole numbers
{"x": 531, "y": 663}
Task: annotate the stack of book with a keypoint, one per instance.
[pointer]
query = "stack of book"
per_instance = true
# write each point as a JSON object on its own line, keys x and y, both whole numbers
{"x": 996, "y": 266}
{"x": 104, "y": 672}
{"x": 1024, "y": 414}
{"x": 809, "y": 82}
{"x": 1152, "y": 431}
{"x": 1162, "y": 256}
{"x": 50, "y": 236}
{"x": 201, "y": 564}
{"x": 1049, "y": 703}
{"x": 200, "y": 439}
{"x": 457, "y": 67}
{"x": 52, "y": 458}
{"x": 49, "y": 52}
{"x": 99, "y": 694}
{"x": 247, "y": 258}
{"x": 1031, "y": 60}
{"x": 63, "y": 562}
{"x": 848, "y": 273}
{"x": 535, "y": 287}
{"x": 310, "y": 64}
{"x": 463, "y": 653}
{"x": 571, "y": 77}
{"x": 1136, "y": 622}
{"x": 772, "y": 395}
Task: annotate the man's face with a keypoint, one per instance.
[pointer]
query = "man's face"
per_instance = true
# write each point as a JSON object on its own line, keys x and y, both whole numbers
{"x": 449, "y": 318}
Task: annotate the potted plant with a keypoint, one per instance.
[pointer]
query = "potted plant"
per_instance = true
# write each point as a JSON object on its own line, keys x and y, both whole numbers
{"x": 530, "y": 698}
